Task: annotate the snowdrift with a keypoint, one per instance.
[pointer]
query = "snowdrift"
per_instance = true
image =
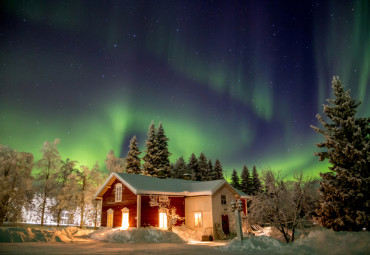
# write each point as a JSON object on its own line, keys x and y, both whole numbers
{"x": 142, "y": 235}
{"x": 41, "y": 234}
{"x": 321, "y": 241}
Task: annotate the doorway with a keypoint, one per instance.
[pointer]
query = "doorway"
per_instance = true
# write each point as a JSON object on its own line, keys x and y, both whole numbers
{"x": 225, "y": 224}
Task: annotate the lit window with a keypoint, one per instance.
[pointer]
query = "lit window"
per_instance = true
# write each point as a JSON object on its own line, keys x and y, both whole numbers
{"x": 223, "y": 199}
{"x": 110, "y": 218}
{"x": 198, "y": 220}
{"x": 125, "y": 213}
{"x": 163, "y": 199}
{"x": 162, "y": 220}
{"x": 118, "y": 197}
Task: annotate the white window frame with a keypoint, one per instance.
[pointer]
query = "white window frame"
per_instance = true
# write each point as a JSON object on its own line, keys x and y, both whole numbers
{"x": 118, "y": 192}
{"x": 198, "y": 219}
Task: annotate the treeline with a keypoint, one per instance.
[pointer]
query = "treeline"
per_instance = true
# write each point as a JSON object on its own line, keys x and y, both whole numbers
{"x": 58, "y": 186}
{"x": 156, "y": 160}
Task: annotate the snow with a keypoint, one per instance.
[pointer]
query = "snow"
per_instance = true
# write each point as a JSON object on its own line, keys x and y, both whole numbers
{"x": 42, "y": 234}
{"x": 146, "y": 185}
{"x": 142, "y": 235}
{"x": 321, "y": 241}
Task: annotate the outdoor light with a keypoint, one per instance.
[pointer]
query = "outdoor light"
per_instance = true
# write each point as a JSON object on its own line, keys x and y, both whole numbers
{"x": 233, "y": 206}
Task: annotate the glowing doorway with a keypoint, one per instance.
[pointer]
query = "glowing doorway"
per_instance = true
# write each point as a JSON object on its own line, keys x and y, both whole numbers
{"x": 163, "y": 220}
{"x": 125, "y": 221}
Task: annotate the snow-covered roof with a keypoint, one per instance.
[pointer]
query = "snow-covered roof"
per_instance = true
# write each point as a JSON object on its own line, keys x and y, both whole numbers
{"x": 146, "y": 185}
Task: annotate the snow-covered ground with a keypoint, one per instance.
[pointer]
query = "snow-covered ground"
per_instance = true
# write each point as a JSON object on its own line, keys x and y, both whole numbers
{"x": 71, "y": 240}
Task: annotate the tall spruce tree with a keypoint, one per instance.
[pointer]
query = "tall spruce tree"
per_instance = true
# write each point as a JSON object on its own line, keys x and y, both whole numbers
{"x": 235, "y": 181}
{"x": 180, "y": 169}
{"x": 210, "y": 170}
{"x": 256, "y": 182}
{"x": 345, "y": 189}
{"x": 246, "y": 182}
{"x": 151, "y": 158}
{"x": 203, "y": 167}
{"x": 163, "y": 167}
{"x": 194, "y": 168}
{"x": 217, "y": 171}
{"x": 132, "y": 160}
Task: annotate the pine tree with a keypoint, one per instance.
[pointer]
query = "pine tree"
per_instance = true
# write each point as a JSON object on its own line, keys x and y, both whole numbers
{"x": 164, "y": 169}
{"x": 132, "y": 160}
{"x": 194, "y": 168}
{"x": 210, "y": 170}
{"x": 256, "y": 182}
{"x": 48, "y": 165}
{"x": 246, "y": 182}
{"x": 235, "y": 182}
{"x": 151, "y": 158}
{"x": 217, "y": 171}
{"x": 345, "y": 189}
{"x": 203, "y": 167}
{"x": 180, "y": 169}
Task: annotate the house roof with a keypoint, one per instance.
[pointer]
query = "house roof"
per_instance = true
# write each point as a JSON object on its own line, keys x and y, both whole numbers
{"x": 146, "y": 185}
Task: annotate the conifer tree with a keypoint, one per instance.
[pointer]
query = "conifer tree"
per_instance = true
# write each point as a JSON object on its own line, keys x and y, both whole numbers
{"x": 203, "y": 167}
{"x": 235, "y": 182}
{"x": 132, "y": 160}
{"x": 256, "y": 182}
{"x": 48, "y": 165}
{"x": 180, "y": 169}
{"x": 194, "y": 168}
{"x": 151, "y": 158}
{"x": 217, "y": 171}
{"x": 210, "y": 170}
{"x": 246, "y": 182}
{"x": 345, "y": 203}
{"x": 163, "y": 167}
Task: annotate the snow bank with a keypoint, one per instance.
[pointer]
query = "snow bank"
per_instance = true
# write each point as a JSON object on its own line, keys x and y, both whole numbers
{"x": 189, "y": 234}
{"x": 321, "y": 241}
{"x": 41, "y": 234}
{"x": 143, "y": 235}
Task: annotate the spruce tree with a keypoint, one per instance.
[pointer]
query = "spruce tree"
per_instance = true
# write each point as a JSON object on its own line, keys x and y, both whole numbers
{"x": 151, "y": 158}
{"x": 345, "y": 189}
{"x": 164, "y": 168}
{"x": 217, "y": 171}
{"x": 203, "y": 167}
{"x": 210, "y": 170}
{"x": 194, "y": 168}
{"x": 132, "y": 160}
{"x": 246, "y": 182}
{"x": 180, "y": 169}
{"x": 256, "y": 182}
{"x": 235, "y": 182}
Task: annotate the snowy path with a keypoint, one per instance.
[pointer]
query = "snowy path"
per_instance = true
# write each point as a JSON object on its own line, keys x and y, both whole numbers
{"x": 97, "y": 247}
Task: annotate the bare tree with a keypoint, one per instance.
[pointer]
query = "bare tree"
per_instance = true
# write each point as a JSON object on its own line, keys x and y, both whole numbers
{"x": 286, "y": 205}
{"x": 114, "y": 164}
{"x": 165, "y": 206}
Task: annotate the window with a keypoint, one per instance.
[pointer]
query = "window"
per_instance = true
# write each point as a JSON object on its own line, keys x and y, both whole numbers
{"x": 198, "y": 220}
{"x": 125, "y": 214}
{"x": 162, "y": 220}
{"x": 223, "y": 199}
{"x": 110, "y": 218}
{"x": 118, "y": 197}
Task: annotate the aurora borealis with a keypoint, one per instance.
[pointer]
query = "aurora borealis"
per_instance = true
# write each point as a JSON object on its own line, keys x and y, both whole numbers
{"x": 241, "y": 81}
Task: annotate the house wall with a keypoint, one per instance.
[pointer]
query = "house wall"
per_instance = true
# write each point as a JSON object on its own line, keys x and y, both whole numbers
{"x": 128, "y": 200}
{"x": 201, "y": 204}
{"x": 219, "y": 209}
{"x": 150, "y": 215}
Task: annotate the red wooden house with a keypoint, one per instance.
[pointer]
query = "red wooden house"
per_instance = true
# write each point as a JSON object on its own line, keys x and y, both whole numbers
{"x": 125, "y": 202}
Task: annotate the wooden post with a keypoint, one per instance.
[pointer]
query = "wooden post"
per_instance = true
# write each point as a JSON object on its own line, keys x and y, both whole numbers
{"x": 138, "y": 211}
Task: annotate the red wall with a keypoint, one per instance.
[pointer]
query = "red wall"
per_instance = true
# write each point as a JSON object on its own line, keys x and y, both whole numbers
{"x": 128, "y": 200}
{"x": 150, "y": 215}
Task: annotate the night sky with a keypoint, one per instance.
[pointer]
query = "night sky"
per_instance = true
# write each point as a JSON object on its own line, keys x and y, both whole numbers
{"x": 239, "y": 80}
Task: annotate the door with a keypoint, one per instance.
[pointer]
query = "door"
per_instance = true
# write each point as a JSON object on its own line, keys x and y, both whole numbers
{"x": 225, "y": 224}
{"x": 110, "y": 218}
